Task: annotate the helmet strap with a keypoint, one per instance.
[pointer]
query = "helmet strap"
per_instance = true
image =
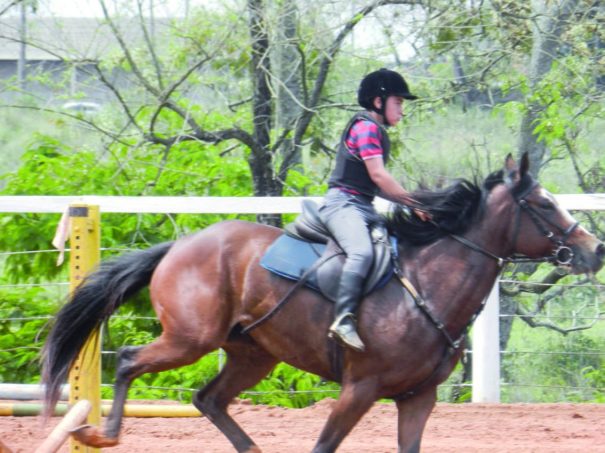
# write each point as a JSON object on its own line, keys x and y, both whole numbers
{"x": 382, "y": 110}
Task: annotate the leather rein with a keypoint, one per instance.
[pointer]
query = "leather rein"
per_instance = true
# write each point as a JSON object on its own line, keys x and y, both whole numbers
{"x": 561, "y": 255}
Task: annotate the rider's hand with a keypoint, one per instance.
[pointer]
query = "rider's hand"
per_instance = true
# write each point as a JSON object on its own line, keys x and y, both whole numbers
{"x": 423, "y": 215}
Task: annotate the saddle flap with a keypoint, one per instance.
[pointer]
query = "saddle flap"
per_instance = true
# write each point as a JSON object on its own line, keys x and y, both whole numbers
{"x": 328, "y": 275}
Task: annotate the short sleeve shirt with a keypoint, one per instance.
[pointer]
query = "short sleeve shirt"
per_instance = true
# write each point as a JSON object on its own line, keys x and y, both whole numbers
{"x": 364, "y": 140}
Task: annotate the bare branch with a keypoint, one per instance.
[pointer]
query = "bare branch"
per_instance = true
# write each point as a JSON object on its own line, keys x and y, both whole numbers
{"x": 213, "y": 137}
{"x": 78, "y": 118}
{"x": 10, "y": 5}
{"x": 530, "y": 321}
{"x": 329, "y": 56}
{"x": 535, "y": 288}
{"x": 150, "y": 45}
{"x": 127, "y": 54}
{"x": 118, "y": 96}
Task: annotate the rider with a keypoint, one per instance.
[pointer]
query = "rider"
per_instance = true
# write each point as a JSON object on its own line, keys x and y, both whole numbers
{"x": 358, "y": 176}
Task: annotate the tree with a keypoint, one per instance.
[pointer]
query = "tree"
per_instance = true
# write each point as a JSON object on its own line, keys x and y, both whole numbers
{"x": 157, "y": 109}
{"x": 550, "y": 19}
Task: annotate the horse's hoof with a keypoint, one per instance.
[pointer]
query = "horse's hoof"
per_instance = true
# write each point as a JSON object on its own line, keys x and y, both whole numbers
{"x": 91, "y": 436}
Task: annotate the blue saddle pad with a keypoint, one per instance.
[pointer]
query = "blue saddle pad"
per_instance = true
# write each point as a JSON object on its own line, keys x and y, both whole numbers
{"x": 289, "y": 257}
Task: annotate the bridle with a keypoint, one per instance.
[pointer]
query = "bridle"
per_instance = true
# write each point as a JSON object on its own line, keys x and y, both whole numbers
{"x": 562, "y": 254}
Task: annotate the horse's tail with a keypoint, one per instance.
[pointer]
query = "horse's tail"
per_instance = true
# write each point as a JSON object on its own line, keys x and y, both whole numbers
{"x": 93, "y": 302}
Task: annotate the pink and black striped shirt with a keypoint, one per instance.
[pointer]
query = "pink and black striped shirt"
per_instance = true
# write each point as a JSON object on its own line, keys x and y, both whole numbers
{"x": 364, "y": 140}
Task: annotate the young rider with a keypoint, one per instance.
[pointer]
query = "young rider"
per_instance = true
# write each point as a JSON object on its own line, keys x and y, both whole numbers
{"x": 358, "y": 176}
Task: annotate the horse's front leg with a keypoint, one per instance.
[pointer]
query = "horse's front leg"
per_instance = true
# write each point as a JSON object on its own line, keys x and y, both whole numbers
{"x": 354, "y": 401}
{"x": 413, "y": 414}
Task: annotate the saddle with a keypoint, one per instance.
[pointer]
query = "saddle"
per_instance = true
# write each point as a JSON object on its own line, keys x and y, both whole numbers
{"x": 307, "y": 250}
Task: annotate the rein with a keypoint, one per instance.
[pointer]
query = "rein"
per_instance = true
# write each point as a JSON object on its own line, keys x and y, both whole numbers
{"x": 561, "y": 255}
{"x": 302, "y": 280}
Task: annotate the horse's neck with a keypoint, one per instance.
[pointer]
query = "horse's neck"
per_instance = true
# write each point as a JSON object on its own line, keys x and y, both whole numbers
{"x": 455, "y": 279}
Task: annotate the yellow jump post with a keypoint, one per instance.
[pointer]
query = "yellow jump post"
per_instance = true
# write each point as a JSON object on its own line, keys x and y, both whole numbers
{"x": 85, "y": 374}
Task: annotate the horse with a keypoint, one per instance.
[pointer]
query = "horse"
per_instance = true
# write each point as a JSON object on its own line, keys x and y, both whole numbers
{"x": 208, "y": 287}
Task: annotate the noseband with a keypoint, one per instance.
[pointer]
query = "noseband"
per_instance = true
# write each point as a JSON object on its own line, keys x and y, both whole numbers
{"x": 562, "y": 254}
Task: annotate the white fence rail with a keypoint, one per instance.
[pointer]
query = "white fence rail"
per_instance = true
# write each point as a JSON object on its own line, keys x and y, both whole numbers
{"x": 486, "y": 363}
{"x": 217, "y": 205}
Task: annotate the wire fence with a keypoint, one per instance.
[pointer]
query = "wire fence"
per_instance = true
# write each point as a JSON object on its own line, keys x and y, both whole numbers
{"x": 538, "y": 364}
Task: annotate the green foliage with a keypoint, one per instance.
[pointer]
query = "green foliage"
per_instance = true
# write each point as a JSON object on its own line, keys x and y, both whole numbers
{"x": 289, "y": 387}
{"x": 457, "y": 26}
{"x": 560, "y": 368}
{"x": 456, "y": 389}
{"x": 595, "y": 377}
{"x": 24, "y": 313}
{"x": 50, "y": 167}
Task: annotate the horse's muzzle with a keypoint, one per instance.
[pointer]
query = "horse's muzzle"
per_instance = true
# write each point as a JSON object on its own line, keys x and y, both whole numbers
{"x": 587, "y": 258}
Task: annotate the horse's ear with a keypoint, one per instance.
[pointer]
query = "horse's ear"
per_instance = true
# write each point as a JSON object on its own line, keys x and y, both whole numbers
{"x": 509, "y": 164}
{"x": 524, "y": 164}
{"x": 511, "y": 174}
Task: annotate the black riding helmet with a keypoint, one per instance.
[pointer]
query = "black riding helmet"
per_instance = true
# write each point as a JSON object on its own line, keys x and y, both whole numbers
{"x": 382, "y": 83}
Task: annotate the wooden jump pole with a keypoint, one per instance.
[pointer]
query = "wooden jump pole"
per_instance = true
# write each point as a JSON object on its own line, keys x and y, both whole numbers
{"x": 4, "y": 448}
{"x": 75, "y": 417}
{"x": 85, "y": 374}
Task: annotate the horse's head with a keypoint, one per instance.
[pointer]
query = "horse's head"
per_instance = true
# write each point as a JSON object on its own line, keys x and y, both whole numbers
{"x": 541, "y": 228}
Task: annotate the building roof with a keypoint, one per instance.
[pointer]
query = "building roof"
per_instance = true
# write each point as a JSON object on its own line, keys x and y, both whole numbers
{"x": 69, "y": 38}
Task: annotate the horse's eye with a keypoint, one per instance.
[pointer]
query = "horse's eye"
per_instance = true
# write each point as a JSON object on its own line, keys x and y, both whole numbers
{"x": 547, "y": 205}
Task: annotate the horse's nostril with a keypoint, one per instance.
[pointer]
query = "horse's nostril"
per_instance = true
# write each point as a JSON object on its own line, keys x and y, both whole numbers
{"x": 600, "y": 252}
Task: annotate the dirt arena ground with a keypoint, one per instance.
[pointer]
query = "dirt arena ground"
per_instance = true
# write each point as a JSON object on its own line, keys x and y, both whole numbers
{"x": 553, "y": 428}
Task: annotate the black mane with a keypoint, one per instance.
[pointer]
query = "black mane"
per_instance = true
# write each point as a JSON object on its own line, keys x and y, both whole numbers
{"x": 454, "y": 210}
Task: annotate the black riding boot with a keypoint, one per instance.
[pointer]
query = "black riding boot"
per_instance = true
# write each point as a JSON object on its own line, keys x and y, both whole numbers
{"x": 349, "y": 295}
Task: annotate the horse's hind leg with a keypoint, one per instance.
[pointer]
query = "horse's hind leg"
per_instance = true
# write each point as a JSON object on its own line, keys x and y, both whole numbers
{"x": 246, "y": 365}
{"x": 165, "y": 353}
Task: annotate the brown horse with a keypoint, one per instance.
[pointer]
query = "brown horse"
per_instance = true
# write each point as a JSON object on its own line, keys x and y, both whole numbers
{"x": 208, "y": 287}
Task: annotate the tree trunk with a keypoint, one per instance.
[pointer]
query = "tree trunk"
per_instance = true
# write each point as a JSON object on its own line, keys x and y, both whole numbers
{"x": 260, "y": 159}
{"x": 289, "y": 85}
{"x": 547, "y": 27}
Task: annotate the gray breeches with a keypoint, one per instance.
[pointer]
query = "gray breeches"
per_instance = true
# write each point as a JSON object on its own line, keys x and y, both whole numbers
{"x": 348, "y": 218}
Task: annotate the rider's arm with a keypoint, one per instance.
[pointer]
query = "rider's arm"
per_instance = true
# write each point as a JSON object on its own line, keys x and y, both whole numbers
{"x": 390, "y": 188}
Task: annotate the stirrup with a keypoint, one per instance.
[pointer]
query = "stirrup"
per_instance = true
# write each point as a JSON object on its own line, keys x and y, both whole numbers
{"x": 346, "y": 333}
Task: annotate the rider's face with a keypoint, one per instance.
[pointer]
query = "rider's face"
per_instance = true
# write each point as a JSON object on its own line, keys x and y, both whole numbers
{"x": 394, "y": 110}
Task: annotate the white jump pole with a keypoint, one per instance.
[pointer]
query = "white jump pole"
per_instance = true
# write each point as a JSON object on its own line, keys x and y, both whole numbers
{"x": 75, "y": 417}
{"x": 486, "y": 350}
{"x": 24, "y": 392}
